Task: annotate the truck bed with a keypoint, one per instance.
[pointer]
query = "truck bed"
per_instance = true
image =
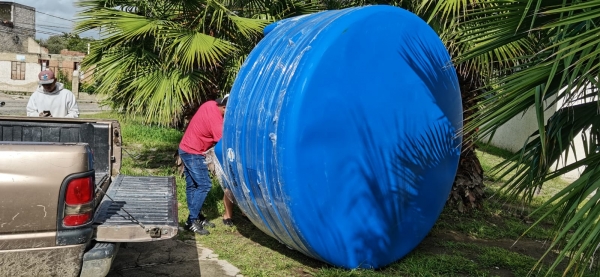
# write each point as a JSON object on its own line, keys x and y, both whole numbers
{"x": 137, "y": 207}
{"x": 123, "y": 203}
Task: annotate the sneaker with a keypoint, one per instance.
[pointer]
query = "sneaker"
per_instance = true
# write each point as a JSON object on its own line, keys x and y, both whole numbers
{"x": 206, "y": 223}
{"x": 197, "y": 228}
{"x": 228, "y": 222}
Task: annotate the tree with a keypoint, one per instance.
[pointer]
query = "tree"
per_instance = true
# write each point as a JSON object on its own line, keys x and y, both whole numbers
{"x": 54, "y": 44}
{"x": 67, "y": 41}
{"x": 562, "y": 64}
{"x": 159, "y": 59}
{"x": 76, "y": 43}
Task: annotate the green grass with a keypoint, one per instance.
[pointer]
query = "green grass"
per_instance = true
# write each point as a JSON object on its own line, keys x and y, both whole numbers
{"x": 475, "y": 244}
{"x": 494, "y": 151}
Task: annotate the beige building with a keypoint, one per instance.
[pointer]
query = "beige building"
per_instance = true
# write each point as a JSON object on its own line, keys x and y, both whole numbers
{"x": 18, "y": 65}
{"x": 18, "y": 72}
{"x": 22, "y": 58}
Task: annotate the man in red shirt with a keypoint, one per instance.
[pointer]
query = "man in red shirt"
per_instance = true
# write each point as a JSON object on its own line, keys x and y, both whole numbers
{"x": 203, "y": 132}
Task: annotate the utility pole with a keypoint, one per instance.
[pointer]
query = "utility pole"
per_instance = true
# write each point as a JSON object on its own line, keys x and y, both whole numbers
{"x": 75, "y": 83}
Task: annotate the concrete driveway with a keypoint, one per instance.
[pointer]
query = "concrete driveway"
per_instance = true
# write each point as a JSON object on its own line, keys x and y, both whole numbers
{"x": 172, "y": 258}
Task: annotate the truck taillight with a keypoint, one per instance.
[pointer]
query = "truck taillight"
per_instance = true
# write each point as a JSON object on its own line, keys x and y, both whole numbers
{"x": 79, "y": 191}
{"x": 79, "y": 205}
{"x": 77, "y": 219}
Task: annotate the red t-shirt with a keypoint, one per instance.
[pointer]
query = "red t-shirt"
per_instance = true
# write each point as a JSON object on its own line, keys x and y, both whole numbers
{"x": 205, "y": 129}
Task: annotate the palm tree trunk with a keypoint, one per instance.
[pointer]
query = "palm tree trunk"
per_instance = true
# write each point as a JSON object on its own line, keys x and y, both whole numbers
{"x": 468, "y": 188}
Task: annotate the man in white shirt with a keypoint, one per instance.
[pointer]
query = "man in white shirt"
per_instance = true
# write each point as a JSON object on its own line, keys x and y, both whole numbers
{"x": 52, "y": 99}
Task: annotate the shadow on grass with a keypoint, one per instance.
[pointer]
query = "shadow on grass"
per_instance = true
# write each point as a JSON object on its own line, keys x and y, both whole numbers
{"x": 247, "y": 229}
{"x": 493, "y": 150}
{"x": 151, "y": 157}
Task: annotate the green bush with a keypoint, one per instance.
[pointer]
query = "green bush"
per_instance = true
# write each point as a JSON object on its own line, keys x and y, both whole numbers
{"x": 63, "y": 78}
{"x": 88, "y": 88}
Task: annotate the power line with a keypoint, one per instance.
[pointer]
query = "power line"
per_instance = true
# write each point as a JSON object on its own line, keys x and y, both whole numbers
{"x": 48, "y": 33}
{"x": 37, "y": 30}
{"x": 51, "y": 29}
{"x": 43, "y": 26}
{"x": 51, "y": 15}
{"x": 54, "y": 26}
{"x": 39, "y": 21}
{"x": 38, "y": 24}
{"x": 55, "y": 16}
{"x": 15, "y": 33}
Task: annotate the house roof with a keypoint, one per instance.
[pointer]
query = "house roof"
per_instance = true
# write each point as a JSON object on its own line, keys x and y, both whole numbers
{"x": 18, "y": 5}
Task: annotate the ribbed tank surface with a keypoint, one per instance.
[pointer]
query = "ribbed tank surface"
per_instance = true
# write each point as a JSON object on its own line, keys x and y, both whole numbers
{"x": 342, "y": 134}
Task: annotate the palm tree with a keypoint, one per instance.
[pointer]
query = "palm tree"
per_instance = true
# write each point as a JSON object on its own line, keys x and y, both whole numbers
{"x": 474, "y": 72}
{"x": 443, "y": 16}
{"x": 562, "y": 65}
{"x": 159, "y": 59}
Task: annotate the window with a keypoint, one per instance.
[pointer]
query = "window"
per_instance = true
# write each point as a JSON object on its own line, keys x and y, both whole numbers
{"x": 5, "y": 12}
{"x": 17, "y": 71}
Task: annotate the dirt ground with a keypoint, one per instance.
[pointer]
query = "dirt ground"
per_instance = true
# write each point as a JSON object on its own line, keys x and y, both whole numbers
{"x": 525, "y": 246}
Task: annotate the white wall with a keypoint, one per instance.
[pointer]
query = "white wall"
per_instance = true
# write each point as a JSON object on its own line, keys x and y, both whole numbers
{"x": 32, "y": 68}
{"x": 579, "y": 152}
{"x": 513, "y": 135}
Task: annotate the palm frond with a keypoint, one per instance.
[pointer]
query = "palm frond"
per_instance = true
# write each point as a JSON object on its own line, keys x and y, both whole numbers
{"x": 193, "y": 49}
{"x": 173, "y": 51}
{"x": 558, "y": 61}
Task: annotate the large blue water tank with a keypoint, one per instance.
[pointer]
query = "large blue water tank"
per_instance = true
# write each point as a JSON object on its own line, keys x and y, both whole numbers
{"x": 341, "y": 134}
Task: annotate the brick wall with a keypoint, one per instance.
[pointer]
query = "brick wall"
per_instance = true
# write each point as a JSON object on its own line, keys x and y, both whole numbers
{"x": 66, "y": 52}
{"x": 65, "y": 63}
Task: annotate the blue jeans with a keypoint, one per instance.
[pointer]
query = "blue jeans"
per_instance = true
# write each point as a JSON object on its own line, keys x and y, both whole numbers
{"x": 197, "y": 180}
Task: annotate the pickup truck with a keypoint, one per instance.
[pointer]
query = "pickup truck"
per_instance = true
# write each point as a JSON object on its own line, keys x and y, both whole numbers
{"x": 64, "y": 206}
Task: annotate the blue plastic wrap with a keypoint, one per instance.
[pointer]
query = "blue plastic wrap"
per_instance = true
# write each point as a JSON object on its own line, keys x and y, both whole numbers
{"x": 341, "y": 134}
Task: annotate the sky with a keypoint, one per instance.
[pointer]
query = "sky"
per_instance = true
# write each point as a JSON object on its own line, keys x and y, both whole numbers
{"x": 53, "y": 17}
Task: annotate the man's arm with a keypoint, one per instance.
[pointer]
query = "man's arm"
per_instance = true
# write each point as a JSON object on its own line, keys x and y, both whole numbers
{"x": 216, "y": 127}
{"x": 31, "y": 107}
{"x": 72, "y": 107}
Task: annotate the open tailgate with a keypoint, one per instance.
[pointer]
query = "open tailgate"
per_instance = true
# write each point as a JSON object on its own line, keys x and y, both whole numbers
{"x": 136, "y": 209}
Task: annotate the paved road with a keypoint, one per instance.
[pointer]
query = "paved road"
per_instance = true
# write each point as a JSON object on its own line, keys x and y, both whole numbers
{"x": 15, "y": 104}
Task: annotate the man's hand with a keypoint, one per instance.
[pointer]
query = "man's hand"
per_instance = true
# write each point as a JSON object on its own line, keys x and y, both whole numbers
{"x": 43, "y": 114}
